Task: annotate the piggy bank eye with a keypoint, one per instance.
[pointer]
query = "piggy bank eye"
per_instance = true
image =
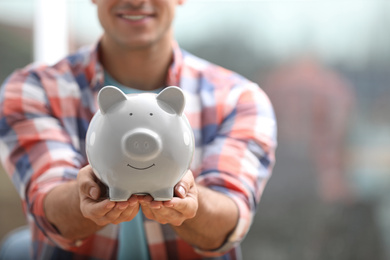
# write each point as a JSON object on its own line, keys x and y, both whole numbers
{"x": 130, "y": 114}
{"x": 151, "y": 114}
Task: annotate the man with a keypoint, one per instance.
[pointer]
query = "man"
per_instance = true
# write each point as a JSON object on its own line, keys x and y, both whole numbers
{"x": 44, "y": 117}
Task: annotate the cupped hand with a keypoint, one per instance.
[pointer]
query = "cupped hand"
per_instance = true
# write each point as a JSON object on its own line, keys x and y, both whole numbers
{"x": 181, "y": 207}
{"x": 95, "y": 205}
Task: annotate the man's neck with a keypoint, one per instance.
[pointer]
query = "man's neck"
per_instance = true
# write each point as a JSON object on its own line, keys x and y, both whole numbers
{"x": 143, "y": 68}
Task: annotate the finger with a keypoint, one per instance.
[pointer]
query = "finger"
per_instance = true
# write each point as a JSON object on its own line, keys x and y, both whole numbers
{"x": 180, "y": 190}
{"x": 179, "y": 204}
{"x": 133, "y": 200}
{"x": 120, "y": 212}
{"x": 187, "y": 207}
{"x": 86, "y": 182}
{"x": 133, "y": 206}
{"x": 123, "y": 210}
{"x": 145, "y": 198}
{"x": 147, "y": 211}
{"x": 115, "y": 212}
{"x": 168, "y": 215}
{"x": 148, "y": 200}
{"x": 156, "y": 204}
{"x": 184, "y": 185}
{"x": 89, "y": 185}
{"x": 168, "y": 204}
{"x": 95, "y": 210}
{"x": 126, "y": 215}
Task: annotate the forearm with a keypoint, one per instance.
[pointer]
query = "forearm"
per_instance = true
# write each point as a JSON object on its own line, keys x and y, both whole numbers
{"x": 62, "y": 209}
{"x": 215, "y": 219}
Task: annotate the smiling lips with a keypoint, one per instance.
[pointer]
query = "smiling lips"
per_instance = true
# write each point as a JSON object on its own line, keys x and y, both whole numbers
{"x": 133, "y": 17}
{"x": 140, "y": 169}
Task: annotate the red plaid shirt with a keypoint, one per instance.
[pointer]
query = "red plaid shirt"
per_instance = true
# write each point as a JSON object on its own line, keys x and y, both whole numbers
{"x": 45, "y": 112}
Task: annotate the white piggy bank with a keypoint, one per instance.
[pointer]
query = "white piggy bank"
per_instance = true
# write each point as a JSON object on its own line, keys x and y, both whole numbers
{"x": 140, "y": 143}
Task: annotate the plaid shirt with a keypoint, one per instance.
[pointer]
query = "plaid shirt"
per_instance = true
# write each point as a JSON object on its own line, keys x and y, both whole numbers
{"x": 45, "y": 112}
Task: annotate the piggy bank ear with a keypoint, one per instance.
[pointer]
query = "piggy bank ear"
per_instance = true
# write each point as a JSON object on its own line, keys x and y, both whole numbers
{"x": 174, "y": 98}
{"x": 109, "y": 96}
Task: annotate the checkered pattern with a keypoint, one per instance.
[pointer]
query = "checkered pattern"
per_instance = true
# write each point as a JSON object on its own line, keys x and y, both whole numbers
{"x": 44, "y": 116}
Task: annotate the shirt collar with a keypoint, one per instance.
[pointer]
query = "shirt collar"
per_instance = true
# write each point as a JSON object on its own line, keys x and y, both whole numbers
{"x": 174, "y": 72}
{"x": 95, "y": 70}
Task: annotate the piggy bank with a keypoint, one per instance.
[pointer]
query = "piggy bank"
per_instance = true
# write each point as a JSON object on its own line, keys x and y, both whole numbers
{"x": 140, "y": 143}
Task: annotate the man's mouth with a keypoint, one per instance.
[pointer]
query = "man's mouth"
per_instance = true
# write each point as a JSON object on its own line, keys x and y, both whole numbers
{"x": 133, "y": 17}
{"x": 140, "y": 169}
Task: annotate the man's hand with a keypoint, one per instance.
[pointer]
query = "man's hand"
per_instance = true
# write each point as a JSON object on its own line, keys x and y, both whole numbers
{"x": 95, "y": 205}
{"x": 182, "y": 207}
{"x": 199, "y": 215}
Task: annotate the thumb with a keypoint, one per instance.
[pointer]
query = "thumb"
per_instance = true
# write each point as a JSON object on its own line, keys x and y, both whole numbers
{"x": 94, "y": 193}
{"x": 184, "y": 185}
{"x": 180, "y": 190}
{"x": 87, "y": 183}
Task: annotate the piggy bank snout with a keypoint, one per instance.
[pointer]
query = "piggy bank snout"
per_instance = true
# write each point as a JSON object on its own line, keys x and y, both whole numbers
{"x": 142, "y": 144}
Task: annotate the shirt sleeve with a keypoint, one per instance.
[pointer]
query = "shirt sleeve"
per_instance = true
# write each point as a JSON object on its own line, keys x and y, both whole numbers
{"x": 36, "y": 151}
{"x": 240, "y": 154}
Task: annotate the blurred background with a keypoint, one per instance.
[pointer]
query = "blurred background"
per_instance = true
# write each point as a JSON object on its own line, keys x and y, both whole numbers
{"x": 325, "y": 64}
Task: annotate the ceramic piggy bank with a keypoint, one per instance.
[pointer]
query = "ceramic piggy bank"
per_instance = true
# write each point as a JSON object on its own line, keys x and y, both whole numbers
{"x": 140, "y": 143}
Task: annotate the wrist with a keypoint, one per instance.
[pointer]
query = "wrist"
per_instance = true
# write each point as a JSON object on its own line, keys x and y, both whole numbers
{"x": 54, "y": 201}
{"x": 62, "y": 210}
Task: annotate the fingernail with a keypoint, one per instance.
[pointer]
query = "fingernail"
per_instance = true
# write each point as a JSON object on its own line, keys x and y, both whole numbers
{"x": 133, "y": 203}
{"x": 181, "y": 191}
{"x": 94, "y": 193}
{"x": 123, "y": 207}
{"x": 168, "y": 204}
{"x": 110, "y": 205}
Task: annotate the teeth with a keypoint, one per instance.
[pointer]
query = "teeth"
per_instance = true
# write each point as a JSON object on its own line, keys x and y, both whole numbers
{"x": 134, "y": 17}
